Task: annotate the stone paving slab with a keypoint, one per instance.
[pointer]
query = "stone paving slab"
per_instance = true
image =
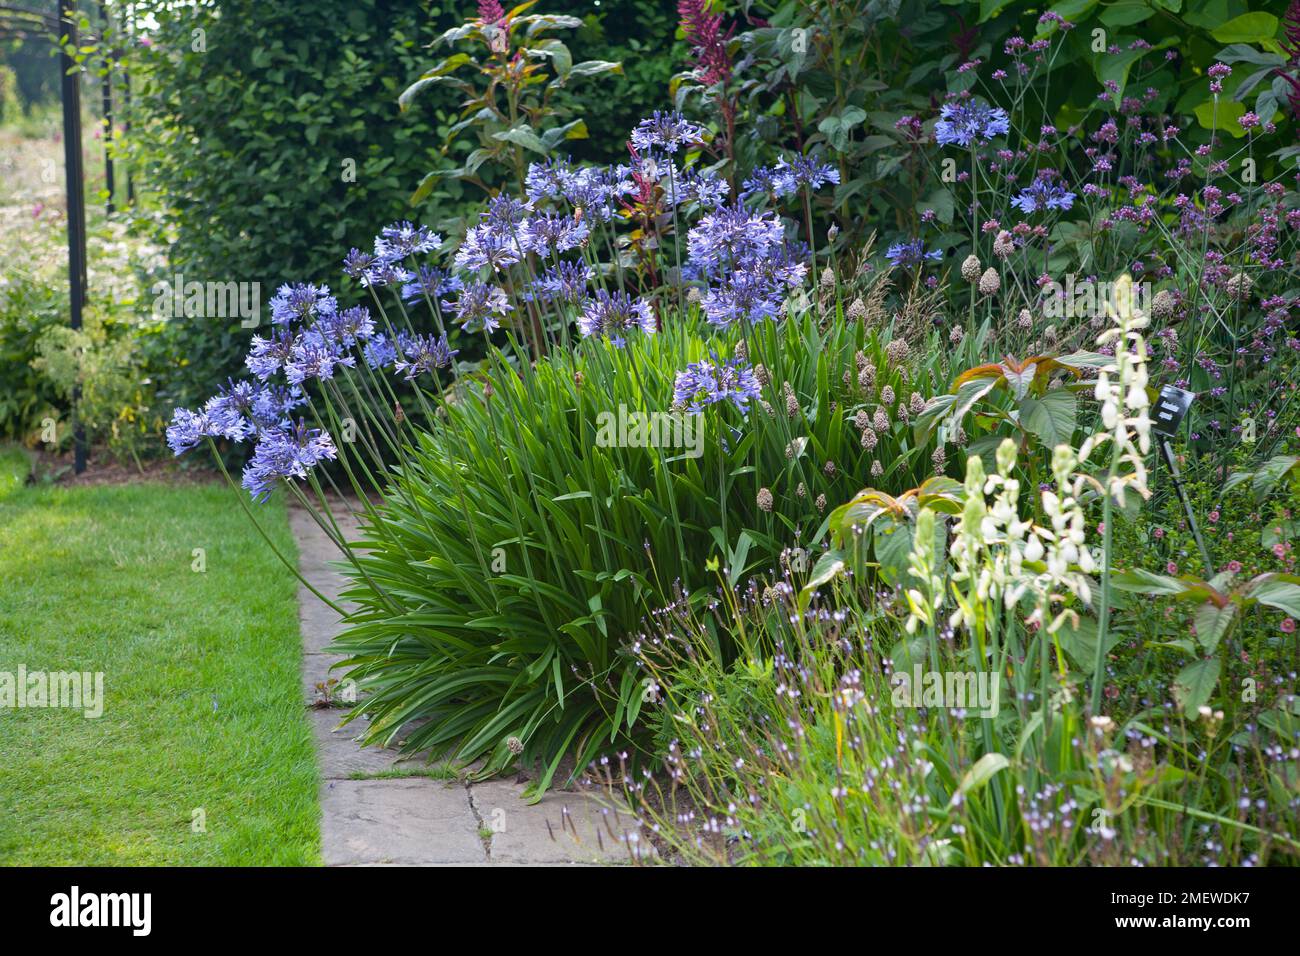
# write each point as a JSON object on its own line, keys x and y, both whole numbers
{"x": 417, "y": 821}
{"x": 371, "y": 819}
{"x": 563, "y": 827}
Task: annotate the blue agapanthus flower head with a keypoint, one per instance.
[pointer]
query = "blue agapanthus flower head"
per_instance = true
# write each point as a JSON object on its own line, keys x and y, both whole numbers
{"x": 667, "y": 131}
{"x": 358, "y": 262}
{"x": 268, "y": 355}
{"x": 729, "y": 237}
{"x": 300, "y": 302}
{"x": 188, "y": 428}
{"x": 424, "y": 353}
{"x": 564, "y": 282}
{"x": 403, "y": 239}
{"x": 285, "y": 453}
{"x": 493, "y": 243}
{"x": 1041, "y": 195}
{"x": 789, "y": 176}
{"x": 548, "y": 179}
{"x": 346, "y": 328}
{"x": 968, "y": 121}
{"x": 612, "y": 314}
{"x": 911, "y": 254}
{"x": 707, "y": 383}
{"x": 379, "y": 352}
{"x": 550, "y": 232}
{"x": 742, "y": 297}
{"x": 431, "y": 283}
{"x": 479, "y": 306}
{"x": 314, "y": 355}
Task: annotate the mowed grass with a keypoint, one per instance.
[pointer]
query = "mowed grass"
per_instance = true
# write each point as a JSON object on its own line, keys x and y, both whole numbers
{"x": 204, "y": 716}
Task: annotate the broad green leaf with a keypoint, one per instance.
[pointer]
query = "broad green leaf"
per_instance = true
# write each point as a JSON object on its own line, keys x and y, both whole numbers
{"x": 1212, "y": 624}
{"x": 981, "y": 773}
{"x": 1195, "y": 683}
{"x": 522, "y": 135}
{"x": 1280, "y": 591}
{"x": 1247, "y": 28}
{"x": 1052, "y": 418}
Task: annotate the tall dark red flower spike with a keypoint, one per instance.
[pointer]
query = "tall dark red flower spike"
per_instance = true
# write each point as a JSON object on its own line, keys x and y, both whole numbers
{"x": 704, "y": 33}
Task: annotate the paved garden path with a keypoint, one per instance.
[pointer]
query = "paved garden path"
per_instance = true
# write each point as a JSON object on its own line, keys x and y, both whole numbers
{"x": 373, "y": 815}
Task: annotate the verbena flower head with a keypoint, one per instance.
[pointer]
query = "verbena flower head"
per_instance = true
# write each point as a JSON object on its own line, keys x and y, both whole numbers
{"x": 667, "y": 131}
{"x": 284, "y": 454}
{"x": 611, "y": 314}
{"x": 704, "y": 383}
{"x": 298, "y": 303}
{"x": 963, "y": 123}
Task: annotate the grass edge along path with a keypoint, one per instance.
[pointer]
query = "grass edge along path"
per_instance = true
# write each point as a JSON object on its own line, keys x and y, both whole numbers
{"x": 203, "y": 753}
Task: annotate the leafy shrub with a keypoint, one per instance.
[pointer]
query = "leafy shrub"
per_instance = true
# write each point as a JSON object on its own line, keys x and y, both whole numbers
{"x": 517, "y": 547}
{"x": 28, "y": 309}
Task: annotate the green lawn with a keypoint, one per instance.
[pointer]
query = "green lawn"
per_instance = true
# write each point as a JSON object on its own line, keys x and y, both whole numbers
{"x": 203, "y": 706}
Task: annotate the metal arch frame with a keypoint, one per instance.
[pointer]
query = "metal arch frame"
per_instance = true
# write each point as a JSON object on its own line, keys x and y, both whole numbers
{"x": 24, "y": 23}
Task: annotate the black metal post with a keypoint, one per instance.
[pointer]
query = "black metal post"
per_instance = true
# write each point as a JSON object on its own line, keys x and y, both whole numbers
{"x": 76, "y": 196}
{"x": 126, "y": 97}
{"x": 1187, "y": 506}
{"x": 105, "y": 31}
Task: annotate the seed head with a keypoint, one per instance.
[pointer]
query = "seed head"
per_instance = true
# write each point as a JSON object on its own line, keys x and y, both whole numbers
{"x": 990, "y": 282}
